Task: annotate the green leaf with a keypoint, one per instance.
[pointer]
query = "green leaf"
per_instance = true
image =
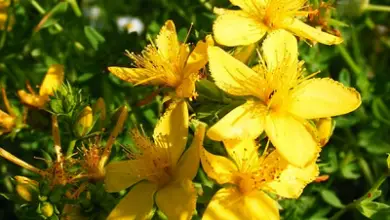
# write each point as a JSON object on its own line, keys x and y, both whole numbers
{"x": 383, "y": 214}
{"x": 345, "y": 77}
{"x": 381, "y": 111}
{"x": 331, "y": 198}
{"x": 368, "y": 208}
{"x": 94, "y": 37}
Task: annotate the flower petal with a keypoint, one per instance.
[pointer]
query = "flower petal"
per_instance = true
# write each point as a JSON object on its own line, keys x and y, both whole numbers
{"x": 136, "y": 75}
{"x": 320, "y": 98}
{"x": 250, "y": 6}
{"x": 32, "y": 100}
{"x": 172, "y": 130}
{"x": 6, "y": 121}
{"x": 244, "y": 53}
{"x": 280, "y": 48}
{"x": 198, "y": 57}
{"x": 233, "y": 29}
{"x": 291, "y": 180}
{"x": 303, "y": 30}
{"x": 167, "y": 42}
{"x": 244, "y": 152}
{"x": 188, "y": 164}
{"x": 245, "y": 121}
{"x": 53, "y": 80}
{"x": 325, "y": 127}
{"x": 232, "y": 76}
{"x": 292, "y": 139}
{"x": 229, "y": 203}
{"x": 177, "y": 200}
{"x": 137, "y": 204}
{"x": 122, "y": 174}
{"x": 219, "y": 168}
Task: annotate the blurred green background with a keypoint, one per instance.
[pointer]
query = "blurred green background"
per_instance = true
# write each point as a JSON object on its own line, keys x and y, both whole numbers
{"x": 87, "y": 36}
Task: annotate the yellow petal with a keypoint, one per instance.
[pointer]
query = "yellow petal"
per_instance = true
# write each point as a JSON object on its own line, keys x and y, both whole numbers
{"x": 32, "y": 100}
{"x": 320, "y": 98}
{"x": 137, "y": 204}
{"x": 122, "y": 174}
{"x": 303, "y": 30}
{"x": 292, "y": 180}
{"x": 219, "y": 168}
{"x": 198, "y": 57}
{"x": 6, "y": 121}
{"x": 136, "y": 75}
{"x": 72, "y": 212}
{"x": 53, "y": 80}
{"x": 232, "y": 76}
{"x": 325, "y": 128}
{"x": 233, "y": 29}
{"x": 177, "y": 200}
{"x": 230, "y": 204}
{"x": 292, "y": 139}
{"x": 188, "y": 164}
{"x": 280, "y": 49}
{"x": 250, "y": 6}
{"x": 244, "y": 153}
{"x": 172, "y": 130}
{"x": 245, "y": 121}
{"x": 244, "y": 53}
{"x": 167, "y": 42}
{"x": 187, "y": 87}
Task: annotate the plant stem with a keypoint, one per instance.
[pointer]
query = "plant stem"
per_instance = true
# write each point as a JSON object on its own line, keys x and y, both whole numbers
{"x": 371, "y": 7}
{"x": 347, "y": 57}
{"x": 42, "y": 11}
{"x": 352, "y": 205}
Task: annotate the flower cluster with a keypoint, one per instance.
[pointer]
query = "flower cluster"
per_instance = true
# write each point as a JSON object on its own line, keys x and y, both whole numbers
{"x": 292, "y": 108}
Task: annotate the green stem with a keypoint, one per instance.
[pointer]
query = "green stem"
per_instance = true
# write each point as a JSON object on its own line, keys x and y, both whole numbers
{"x": 75, "y": 7}
{"x": 371, "y": 7}
{"x": 352, "y": 205}
{"x": 42, "y": 11}
{"x": 70, "y": 149}
{"x": 347, "y": 57}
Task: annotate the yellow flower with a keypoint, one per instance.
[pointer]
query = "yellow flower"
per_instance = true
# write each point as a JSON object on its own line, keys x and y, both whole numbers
{"x": 250, "y": 176}
{"x": 7, "y": 120}
{"x": 53, "y": 79}
{"x": 160, "y": 170}
{"x": 282, "y": 99}
{"x": 257, "y": 17}
{"x": 167, "y": 63}
{"x": 4, "y": 4}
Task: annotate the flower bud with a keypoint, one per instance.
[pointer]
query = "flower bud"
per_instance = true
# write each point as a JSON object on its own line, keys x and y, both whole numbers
{"x": 47, "y": 209}
{"x": 26, "y": 188}
{"x": 99, "y": 110}
{"x": 84, "y": 122}
{"x": 325, "y": 129}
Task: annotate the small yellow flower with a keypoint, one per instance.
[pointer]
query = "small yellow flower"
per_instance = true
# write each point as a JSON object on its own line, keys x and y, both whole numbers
{"x": 160, "y": 170}
{"x": 251, "y": 176}
{"x": 53, "y": 80}
{"x": 7, "y": 120}
{"x": 282, "y": 99}
{"x": 4, "y": 4}
{"x": 257, "y": 17}
{"x": 168, "y": 63}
